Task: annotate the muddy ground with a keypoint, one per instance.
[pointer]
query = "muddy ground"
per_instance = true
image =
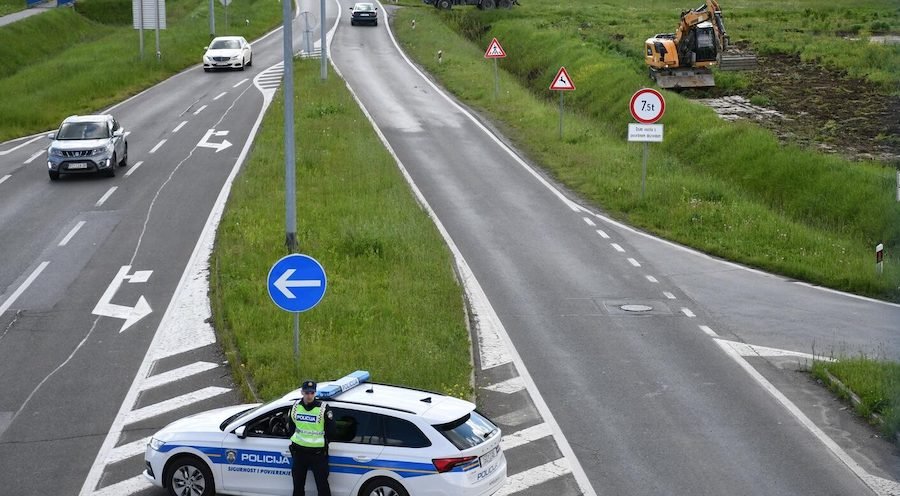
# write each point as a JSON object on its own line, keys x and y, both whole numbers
{"x": 812, "y": 106}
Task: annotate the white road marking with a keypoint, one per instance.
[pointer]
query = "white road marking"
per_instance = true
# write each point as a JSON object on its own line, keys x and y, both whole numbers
{"x": 634, "y": 262}
{"x": 128, "y": 486}
{"x": 669, "y": 295}
{"x": 22, "y": 287}
{"x": 4, "y": 178}
{"x": 525, "y": 436}
{"x": 753, "y": 350}
{"x": 534, "y": 476}
{"x": 178, "y": 127}
{"x": 688, "y": 312}
{"x": 36, "y": 155}
{"x": 176, "y": 374}
{"x": 242, "y": 81}
{"x": 508, "y": 386}
{"x": 602, "y": 234}
{"x": 106, "y": 196}
{"x": 882, "y": 487}
{"x": 172, "y": 404}
{"x": 153, "y": 150}
{"x": 134, "y": 168}
{"x": 617, "y": 247}
{"x": 220, "y": 95}
{"x": 200, "y": 110}
{"x": 71, "y": 234}
{"x": 126, "y": 451}
{"x": 514, "y": 418}
{"x": 651, "y": 279}
{"x": 588, "y": 221}
{"x": 709, "y": 331}
{"x": 32, "y": 140}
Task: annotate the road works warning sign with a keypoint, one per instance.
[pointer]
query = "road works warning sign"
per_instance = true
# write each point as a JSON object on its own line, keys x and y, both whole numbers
{"x": 562, "y": 81}
{"x": 494, "y": 50}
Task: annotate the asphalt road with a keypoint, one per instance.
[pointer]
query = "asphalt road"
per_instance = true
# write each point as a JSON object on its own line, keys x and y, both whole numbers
{"x": 642, "y": 402}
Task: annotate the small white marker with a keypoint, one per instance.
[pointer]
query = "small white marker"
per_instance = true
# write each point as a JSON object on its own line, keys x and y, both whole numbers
{"x": 602, "y": 234}
{"x": 688, "y": 312}
{"x": 220, "y": 95}
{"x": 106, "y": 196}
{"x": 709, "y": 331}
{"x": 71, "y": 234}
{"x": 153, "y": 150}
{"x": 242, "y": 81}
{"x": 669, "y": 295}
{"x": 199, "y": 110}
{"x": 4, "y": 178}
{"x": 134, "y": 168}
{"x": 36, "y": 155}
{"x": 178, "y": 127}
{"x": 589, "y": 221}
{"x": 651, "y": 279}
{"x": 634, "y": 262}
{"x": 617, "y": 247}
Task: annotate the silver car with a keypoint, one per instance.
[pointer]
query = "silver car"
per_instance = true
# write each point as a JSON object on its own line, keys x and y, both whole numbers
{"x": 228, "y": 52}
{"x": 87, "y": 144}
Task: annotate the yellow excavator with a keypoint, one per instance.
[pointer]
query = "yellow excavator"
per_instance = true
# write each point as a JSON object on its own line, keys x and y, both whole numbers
{"x": 683, "y": 59}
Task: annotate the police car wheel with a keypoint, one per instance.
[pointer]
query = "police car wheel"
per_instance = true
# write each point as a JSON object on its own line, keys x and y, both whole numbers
{"x": 188, "y": 476}
{"x": 382, "y": 486}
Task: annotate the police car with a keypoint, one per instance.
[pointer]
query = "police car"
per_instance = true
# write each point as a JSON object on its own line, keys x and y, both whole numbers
{"x": 387, "y": 441}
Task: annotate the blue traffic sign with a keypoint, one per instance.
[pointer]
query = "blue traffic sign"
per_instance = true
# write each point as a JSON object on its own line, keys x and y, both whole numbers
{"x": 296, "y": 283}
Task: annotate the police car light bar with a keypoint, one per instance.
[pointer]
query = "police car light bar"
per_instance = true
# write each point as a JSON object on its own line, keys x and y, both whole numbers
{"x": 343, "y": 384}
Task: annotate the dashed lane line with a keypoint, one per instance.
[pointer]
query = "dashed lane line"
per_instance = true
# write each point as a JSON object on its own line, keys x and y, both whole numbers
{"x": 134, "y": 168}
{"x": 688, "y": 312}
{"x": 588, "y": 221}
{"x": 220, "y": 95}
{"x": 158, "y": 145}
{"x": 634, "y": 262}
{"x": 22, "y": 287}
{"x": 106, "y": 196}
{"x": 178, "y": 127}
{"x": 602, "y": 234}
{"x": 668, "y": 295}
{"x": 72, "y": 233}
{"x": 652, "y": 279}
{"x": 201, "y": 109}
{"x": 617, "y": 247}
{"x": 36, "y": 155}
{"x": 4, "y": 178}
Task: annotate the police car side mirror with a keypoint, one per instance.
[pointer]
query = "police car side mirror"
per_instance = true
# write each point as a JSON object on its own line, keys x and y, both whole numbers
{"x": 241, "y": 432}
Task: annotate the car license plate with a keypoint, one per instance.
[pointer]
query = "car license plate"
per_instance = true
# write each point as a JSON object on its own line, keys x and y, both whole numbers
{"x": 488, "y": 457}
{"x": 78, "y": 165}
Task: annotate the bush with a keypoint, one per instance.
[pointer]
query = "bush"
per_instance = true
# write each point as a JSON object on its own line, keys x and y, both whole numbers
{"x": 111, "y": 12}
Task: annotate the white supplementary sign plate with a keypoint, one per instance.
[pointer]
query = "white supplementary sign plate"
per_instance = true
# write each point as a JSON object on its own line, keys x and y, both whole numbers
{"x": 645, "y": 132}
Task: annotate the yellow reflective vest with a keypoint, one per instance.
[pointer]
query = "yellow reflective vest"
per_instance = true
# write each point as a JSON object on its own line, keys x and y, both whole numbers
{"x": 309, "y": 426}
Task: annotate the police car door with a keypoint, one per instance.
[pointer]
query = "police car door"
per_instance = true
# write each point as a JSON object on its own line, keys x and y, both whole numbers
{"x": 260, "y": 462}
{"x": 354, "y": 449}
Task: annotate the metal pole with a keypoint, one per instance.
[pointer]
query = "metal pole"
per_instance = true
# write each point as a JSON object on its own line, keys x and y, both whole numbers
{"x": 898, "y": 185}
{"x": 226, "y": 17}
{"x": 141, "y": 27}
{"x": 496, "y": 81}
{"x": 158, "y": 55}
{"x": 289, "y": 177}
{"x": 561, "y": 93}
{"x": 644, "y": 170}
{"x": 324, "y": 46}
{"x": 212, "y": 18}
{"x": 297, "y": 338}
{"x": 306, "y": 47}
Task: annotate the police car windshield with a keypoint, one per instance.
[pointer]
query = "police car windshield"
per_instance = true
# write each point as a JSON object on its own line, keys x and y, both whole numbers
{"x": 234, "y": 417}
{"x": 469, "y": 431}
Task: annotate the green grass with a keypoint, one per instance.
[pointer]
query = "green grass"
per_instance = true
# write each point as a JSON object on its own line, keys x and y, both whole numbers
{"x": 729, "y": 189}
{"x": 392, "y": 304}
{"x": 875, "y": 382}
{"x": 10, "y": 6}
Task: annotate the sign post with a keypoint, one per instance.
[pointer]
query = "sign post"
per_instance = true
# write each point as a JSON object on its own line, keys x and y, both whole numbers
{"x": 879, "y": 258}
{"x": 647, "y": 106}
{"x": 562, "y": 83}
{"x": 296, "y": 284}
{"x": 495, "y": 51}
{"x": 225, "y": 3}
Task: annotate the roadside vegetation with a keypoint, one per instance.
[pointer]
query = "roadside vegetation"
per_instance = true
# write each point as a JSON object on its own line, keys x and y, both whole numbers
{"x": 873, "y": 386}
{"x": 10, "y": 6}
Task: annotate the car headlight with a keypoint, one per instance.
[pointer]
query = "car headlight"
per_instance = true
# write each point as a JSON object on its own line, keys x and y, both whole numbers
{"x": 155, "y": 444}
{"x": 100, "y": 150}
{"x": 234, "y": 57}
{"x": 54, "y": 152}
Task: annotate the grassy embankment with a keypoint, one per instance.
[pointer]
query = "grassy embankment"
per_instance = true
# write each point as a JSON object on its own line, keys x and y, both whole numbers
{"x": 10, "y": 6}
{"x": 728, "y": 189}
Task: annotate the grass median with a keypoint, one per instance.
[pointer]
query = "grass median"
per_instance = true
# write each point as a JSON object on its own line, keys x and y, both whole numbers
{"x": 392, "y": 304}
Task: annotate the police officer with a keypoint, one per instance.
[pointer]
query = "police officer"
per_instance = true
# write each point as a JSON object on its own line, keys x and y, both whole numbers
{"x": 309, "y": 448}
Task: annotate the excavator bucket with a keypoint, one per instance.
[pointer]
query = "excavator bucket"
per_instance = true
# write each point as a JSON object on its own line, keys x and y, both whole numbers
{"x": 684, "y": 79}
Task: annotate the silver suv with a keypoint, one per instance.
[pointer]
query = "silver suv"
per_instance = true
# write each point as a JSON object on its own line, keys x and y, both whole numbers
{"x": 85, "y": 144}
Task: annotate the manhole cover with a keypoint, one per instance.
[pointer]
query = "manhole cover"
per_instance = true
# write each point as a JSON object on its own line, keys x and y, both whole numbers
{"x": 636, "y": 308}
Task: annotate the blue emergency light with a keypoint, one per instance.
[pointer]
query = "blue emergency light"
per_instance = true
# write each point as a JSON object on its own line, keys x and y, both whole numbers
{"x": 345, "y": 383}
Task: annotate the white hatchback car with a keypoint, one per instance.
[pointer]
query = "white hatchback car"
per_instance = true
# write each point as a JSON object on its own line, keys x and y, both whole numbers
{"x": 228, "y": 52}
{"x": 388, "y": 441}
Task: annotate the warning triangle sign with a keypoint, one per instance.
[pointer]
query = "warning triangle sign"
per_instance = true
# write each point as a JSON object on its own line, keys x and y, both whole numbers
{"x": 562, "y": 81}
{"x": 494, "y": 50}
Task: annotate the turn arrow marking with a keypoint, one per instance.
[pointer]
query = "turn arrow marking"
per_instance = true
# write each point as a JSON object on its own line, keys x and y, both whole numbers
{"x": 218, "y": 146}
{"x": 283, "y": 283}
{"x": 131, "y": 314}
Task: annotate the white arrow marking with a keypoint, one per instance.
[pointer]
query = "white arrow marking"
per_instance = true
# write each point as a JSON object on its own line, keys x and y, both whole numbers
{"x": 218, "y": 146}
{"x": 283, "y": 283}
{"x": 130, "y": 314}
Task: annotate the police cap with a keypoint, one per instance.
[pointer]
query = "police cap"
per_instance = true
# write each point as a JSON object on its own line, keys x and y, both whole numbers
{"x": 308, "y": 386}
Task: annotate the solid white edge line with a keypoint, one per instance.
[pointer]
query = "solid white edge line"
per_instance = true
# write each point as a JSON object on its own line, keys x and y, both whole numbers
{"x": 479, "y": 299}
{"x": 71, "y": 234}
{"x": 134, "y": 168}
{"x": 842, "y": 455}
{"x": 106, "y": 196}
{"x": 22, "y": 287}
{"x": 20, "y": 145}
{"x": 220, "y": 95}
{"x": 4, "y": 178}
{"x": 36, "y": 155}
{"x": 153, "y": 150}
{"x": 178, "y": 127}
{"x": 201, "y": 251}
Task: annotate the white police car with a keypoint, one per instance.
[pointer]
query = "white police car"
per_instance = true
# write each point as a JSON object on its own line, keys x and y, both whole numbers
{"x": 388, "y": 441}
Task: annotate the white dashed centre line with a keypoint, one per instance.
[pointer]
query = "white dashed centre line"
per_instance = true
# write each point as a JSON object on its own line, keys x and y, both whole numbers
{"x": 134, "y": 168}
{"x": 153, "y": 150}
{"x": 634, "y": 262}
{"x": 688, "y": 312}
{"x": 4, "y": 178}
{"x": 106, "y": 196}
{"x": 220, "y": 95}
{"x": 242, "y": 81}
{"x": 71, "y": 234}
{"x": 21, "y": 289}
{"x": 178, "y": 127}
{"x": 652, "y": 279}
{"x": 668, "y": 295}
{"x": 617, "y": 247}
{"x": 200, "y": 110}
{"x": 602, "y": 234}
{"x": 36, "y": 155}
{"x": 709, "y": 331}
{"x": 589, "y": 221}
